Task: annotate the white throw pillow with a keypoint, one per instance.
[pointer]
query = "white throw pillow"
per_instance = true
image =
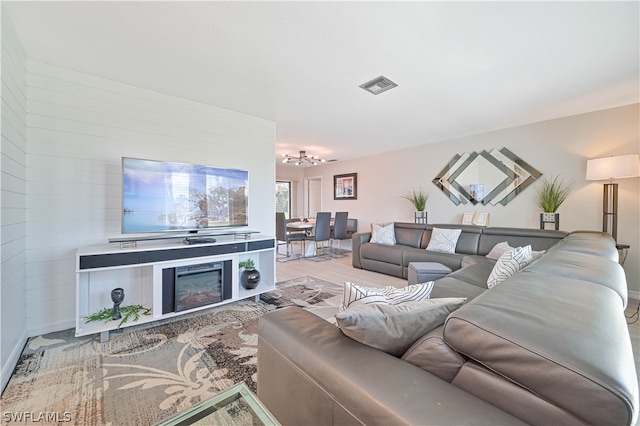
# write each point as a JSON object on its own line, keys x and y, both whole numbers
{"x": 444, "y": 240}
{"x": 356, "y": 295}
{"x": 393, "y": 329}
{"x": 498, "y": 250}
{"x": 508, "y": 264}
{"x": 410, "y": 293}
{"x": 383, "y": 234}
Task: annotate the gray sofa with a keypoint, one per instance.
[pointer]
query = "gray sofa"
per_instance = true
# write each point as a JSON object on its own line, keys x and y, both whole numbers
{"x": 474, "y": 244}
{"x": 549, "y": 345}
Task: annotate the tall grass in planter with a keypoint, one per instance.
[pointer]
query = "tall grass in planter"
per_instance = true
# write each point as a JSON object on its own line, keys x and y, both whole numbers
{"x": 552, "y": 193}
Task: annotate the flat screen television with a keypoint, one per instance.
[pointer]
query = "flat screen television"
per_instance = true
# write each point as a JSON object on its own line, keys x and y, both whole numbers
{"x": 160, "y": 196}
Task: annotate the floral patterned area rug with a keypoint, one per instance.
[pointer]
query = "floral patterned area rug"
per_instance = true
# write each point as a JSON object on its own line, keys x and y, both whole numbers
{"x": 147, "y": 373}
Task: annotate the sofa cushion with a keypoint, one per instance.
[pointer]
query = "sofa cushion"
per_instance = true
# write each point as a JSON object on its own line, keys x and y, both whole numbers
{"x": 383, "y": 234}
{"x": 409, "y": 234}
{"x": 394, "y": 328}
{"x": 589, "y": 242}
{"x": 451, "y": 260}
{"x": 538, "y": 239}
{"x": 476, "y": 275}
{"x": 432, "y": 354}
{"x": 544, "y": 334}
{"x": 453, "y": 287}
{"x": 470, "y": 260}
{"x": 509, "y": 264}
{"x": 382, "y": 253}
{"x": 587, "y": 267}
{"x": 444, "y": 240}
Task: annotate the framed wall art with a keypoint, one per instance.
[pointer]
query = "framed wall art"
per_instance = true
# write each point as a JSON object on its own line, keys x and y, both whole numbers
{"x": 345, "y": 187}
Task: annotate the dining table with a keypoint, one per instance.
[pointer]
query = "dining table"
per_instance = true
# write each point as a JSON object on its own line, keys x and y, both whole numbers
{"x": 305, "y": 227}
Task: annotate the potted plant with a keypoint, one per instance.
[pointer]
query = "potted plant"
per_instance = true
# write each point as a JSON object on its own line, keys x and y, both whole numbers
{"x": 551, "y": 194}
{"x": 250, "y": 277}
{"x": 419, "y": 200}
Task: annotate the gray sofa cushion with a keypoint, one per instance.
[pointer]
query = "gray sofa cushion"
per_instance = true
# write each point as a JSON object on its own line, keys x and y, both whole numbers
{"x": 453, "y": 287}
{"x": 538, "y": 239}
{"x": 542, "y": 333}
{"x": 409, "y": 234}
{"x": 431, "y": 353}
{"x": 590, "y": 243}
{"x": 584, "y": 267}
{"x": 451, "y": 260}
{"x": 383, "y": 253}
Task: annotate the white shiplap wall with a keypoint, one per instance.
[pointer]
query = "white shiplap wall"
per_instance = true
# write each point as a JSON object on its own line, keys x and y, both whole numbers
{"x": 79, "y": 127}
{"x": 13, "y": 330}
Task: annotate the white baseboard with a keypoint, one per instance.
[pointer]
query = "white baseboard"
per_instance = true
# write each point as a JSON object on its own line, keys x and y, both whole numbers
{"x": 12, "y": 361}
{"x": 51, "y": 327}
{"x": 634, "y": 294}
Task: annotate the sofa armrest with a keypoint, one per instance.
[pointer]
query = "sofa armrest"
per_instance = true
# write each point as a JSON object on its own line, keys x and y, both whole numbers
{"x": 357, "y": 240}
{"x": 311, "y": 373}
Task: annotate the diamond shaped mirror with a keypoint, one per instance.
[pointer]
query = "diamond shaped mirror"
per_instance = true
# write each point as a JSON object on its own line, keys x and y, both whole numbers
{"x": 494, "y": 177}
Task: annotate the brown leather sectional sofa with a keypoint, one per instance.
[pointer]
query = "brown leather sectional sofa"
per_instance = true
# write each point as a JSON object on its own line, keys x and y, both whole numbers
{"x": 549, "y": 345}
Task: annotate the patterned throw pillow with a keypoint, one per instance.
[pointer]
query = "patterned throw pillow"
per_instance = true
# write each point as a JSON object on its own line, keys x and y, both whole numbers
{"x": 508, "y": 264}
{"x": 498, "y": 250}
{"x": 383, "y": 234}
{"x": 355, "y": 295}
{"x": 444, "y": 240}
{"x": 410, "y": 293}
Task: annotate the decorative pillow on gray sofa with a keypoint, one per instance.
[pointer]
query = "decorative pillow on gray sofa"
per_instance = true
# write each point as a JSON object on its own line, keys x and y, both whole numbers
{"x": 498, "y": 250}
{"x": 354, "y": 294}
{"x": 394, "y": 328}
{"x": 503, "y": 247}
{"x": 508, "y": 264}
{"x": 383, "y": 234}
{"x": 444, "y": 240}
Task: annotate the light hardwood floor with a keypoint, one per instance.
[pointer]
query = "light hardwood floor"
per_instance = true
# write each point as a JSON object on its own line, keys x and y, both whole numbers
{"x": 340, "y": 270}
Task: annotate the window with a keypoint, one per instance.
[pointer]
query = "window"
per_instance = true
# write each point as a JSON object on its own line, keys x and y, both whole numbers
{"x": 283, "y": 198}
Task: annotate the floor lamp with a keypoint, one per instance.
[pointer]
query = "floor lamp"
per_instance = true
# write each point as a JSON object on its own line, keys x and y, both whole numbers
{"x": 610, "y": 168}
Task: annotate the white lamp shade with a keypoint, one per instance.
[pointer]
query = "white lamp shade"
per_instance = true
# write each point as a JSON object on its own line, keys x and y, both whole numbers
{"x": 621, "y": 166}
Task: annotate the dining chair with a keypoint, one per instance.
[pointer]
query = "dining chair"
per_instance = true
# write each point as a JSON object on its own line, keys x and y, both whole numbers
{"x": 339, "y": 231}
{"x": 322, "y": 230}
{"x": 284, "y": 236}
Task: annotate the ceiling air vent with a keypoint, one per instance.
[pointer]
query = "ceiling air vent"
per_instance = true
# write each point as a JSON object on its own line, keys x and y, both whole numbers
{"x": 378, "y": 85}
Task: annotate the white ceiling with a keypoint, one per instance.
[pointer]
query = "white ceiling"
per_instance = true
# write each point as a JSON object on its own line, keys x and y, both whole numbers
{"x": 461, "y": 68}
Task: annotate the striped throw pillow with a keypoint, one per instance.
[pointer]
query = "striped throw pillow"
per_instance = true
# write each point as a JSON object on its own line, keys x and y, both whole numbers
{"x": 356, "y": 295}
{"x": 410, "y": 293}
{"x": 444, "y": 240}
{"x": 508, "y": 264}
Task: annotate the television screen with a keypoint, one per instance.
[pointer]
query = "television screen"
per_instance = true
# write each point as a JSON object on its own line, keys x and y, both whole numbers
{"x": 161, "y": 196}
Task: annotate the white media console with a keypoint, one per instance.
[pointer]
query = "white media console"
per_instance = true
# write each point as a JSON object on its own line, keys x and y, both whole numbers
{"x": 142, "y": 272}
